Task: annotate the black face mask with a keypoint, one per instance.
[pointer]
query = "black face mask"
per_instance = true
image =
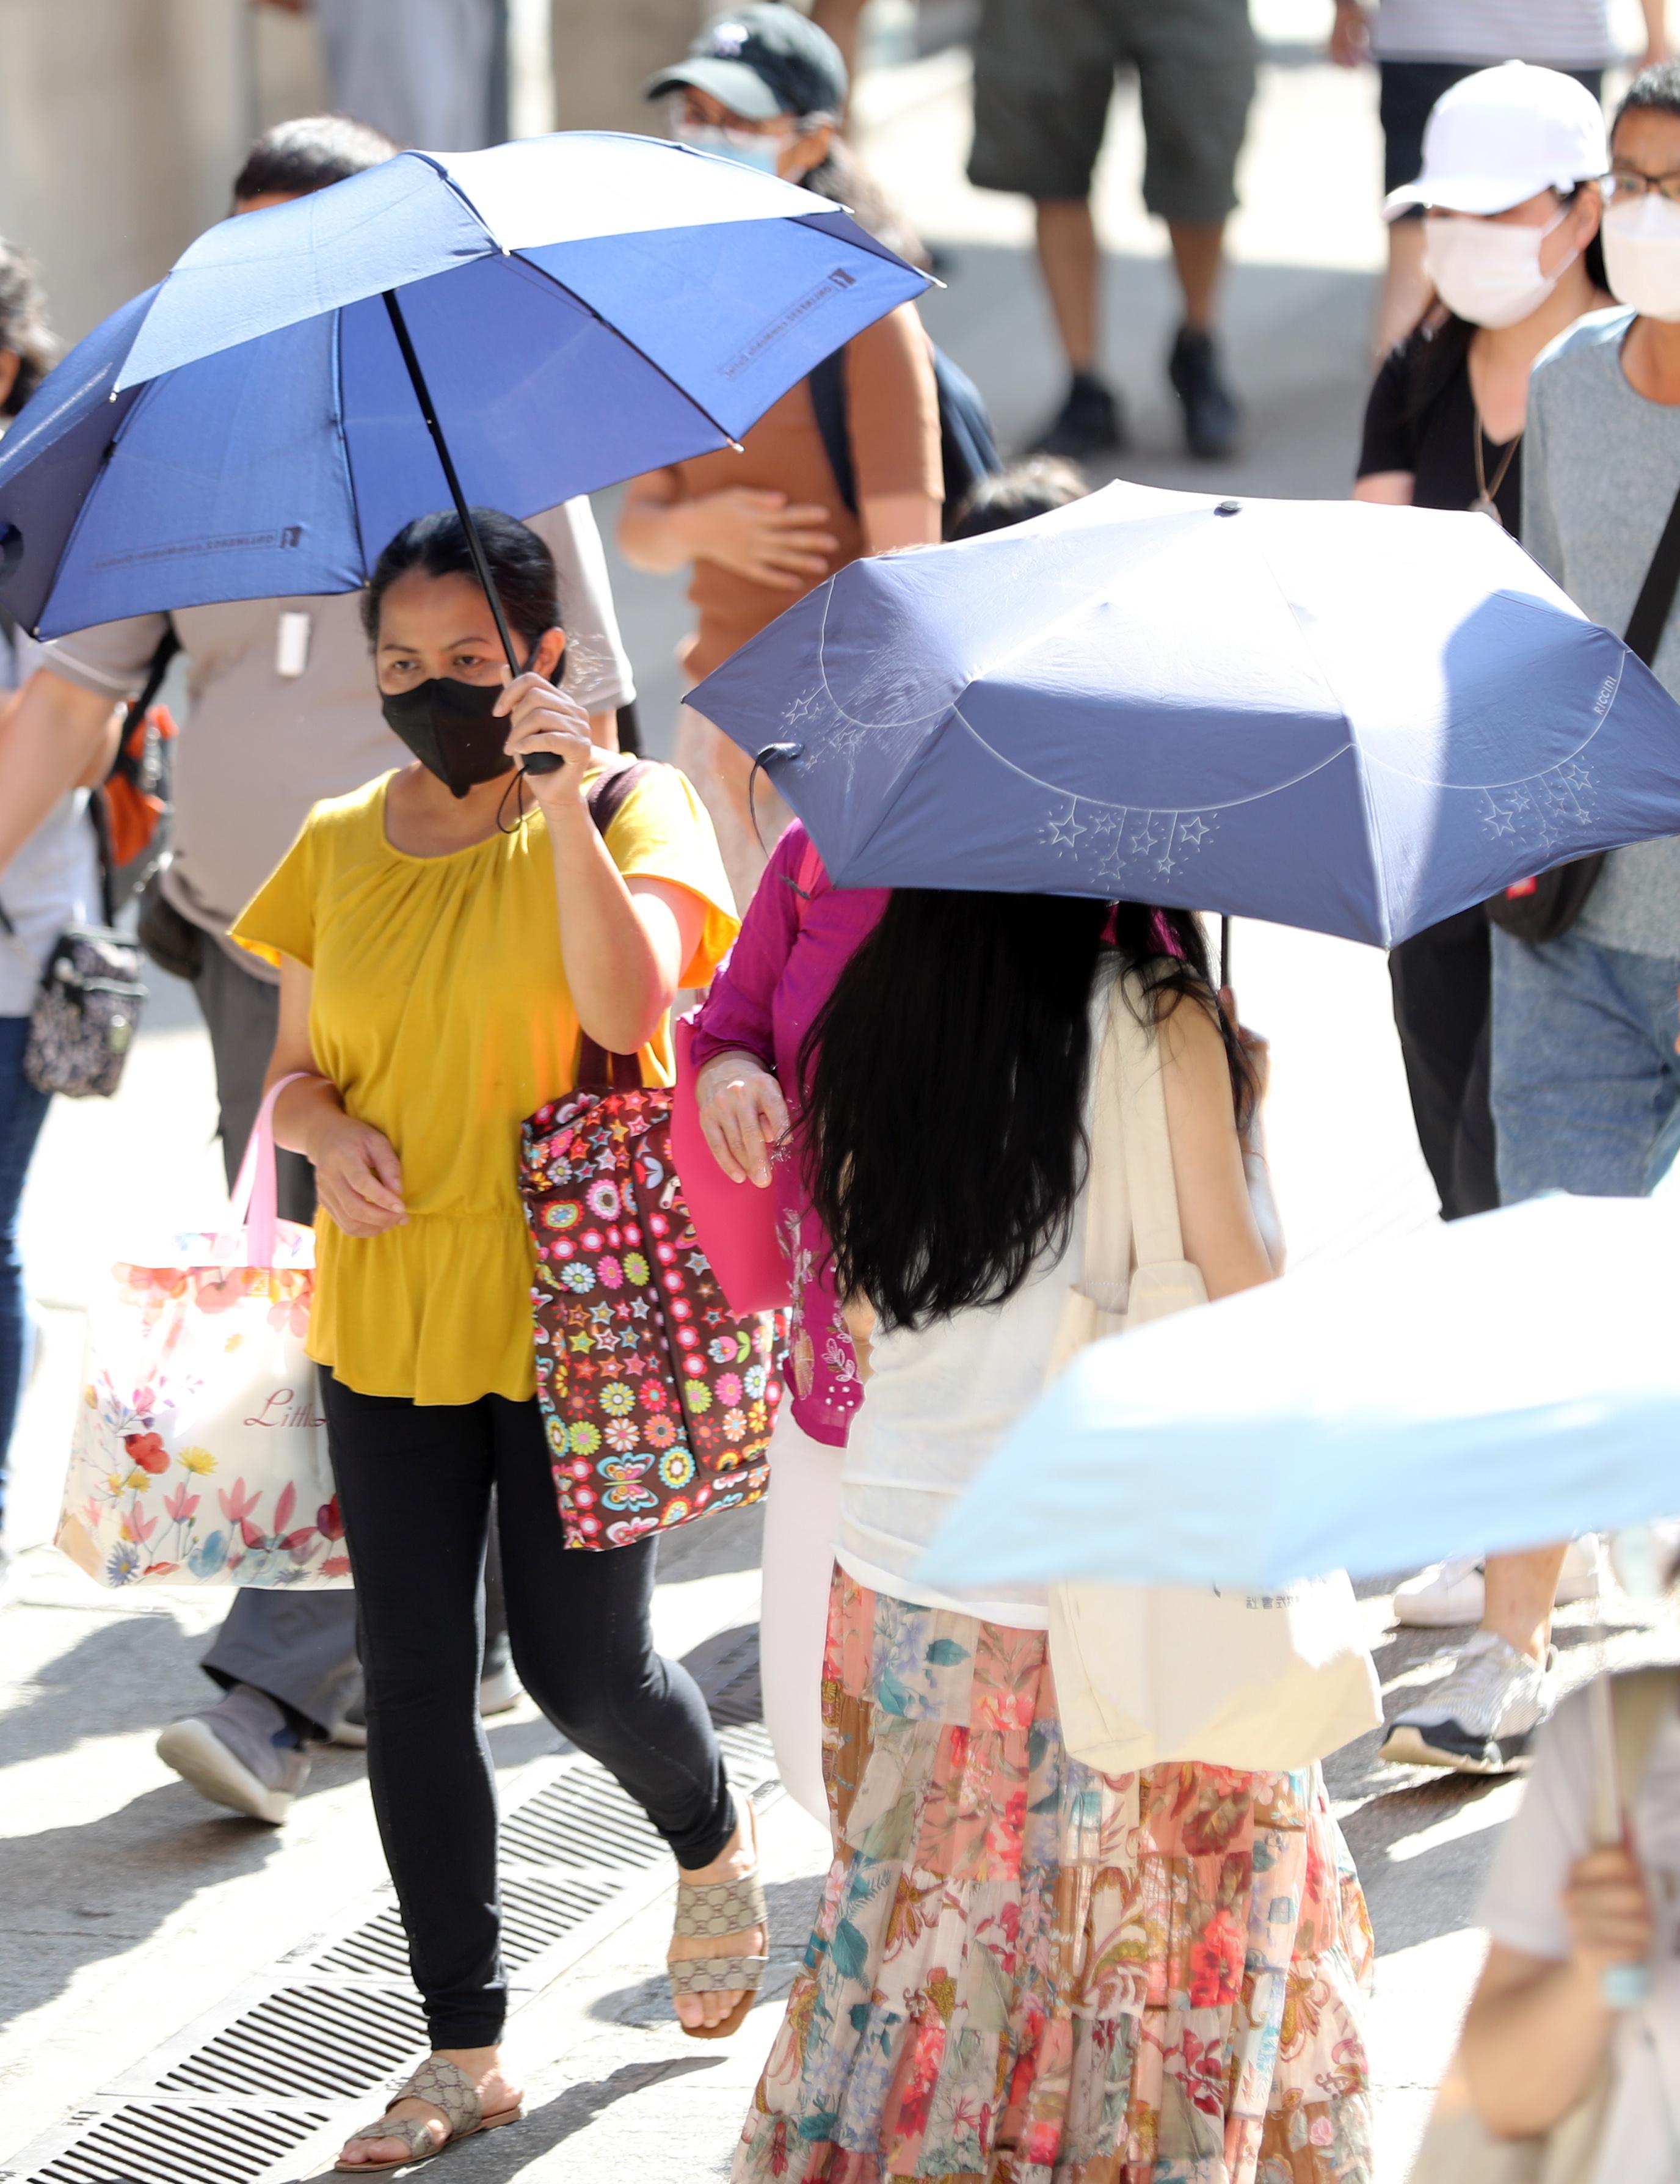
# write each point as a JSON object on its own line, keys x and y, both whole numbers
{"x": 448, "y": 727}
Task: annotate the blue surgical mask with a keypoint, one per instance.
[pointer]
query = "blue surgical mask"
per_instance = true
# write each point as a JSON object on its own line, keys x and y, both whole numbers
{"x": 748, "y": 148}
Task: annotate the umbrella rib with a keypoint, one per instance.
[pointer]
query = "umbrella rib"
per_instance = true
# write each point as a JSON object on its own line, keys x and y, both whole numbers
{"x": 343, "y": 431}
{"x": 530, "y": 266}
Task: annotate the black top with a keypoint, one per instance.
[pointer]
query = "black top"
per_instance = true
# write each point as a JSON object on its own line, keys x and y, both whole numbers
{"x": 1422, "y": 418}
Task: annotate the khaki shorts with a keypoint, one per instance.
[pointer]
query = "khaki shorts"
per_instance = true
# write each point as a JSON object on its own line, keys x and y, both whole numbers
{"x": 1043, "y": 74}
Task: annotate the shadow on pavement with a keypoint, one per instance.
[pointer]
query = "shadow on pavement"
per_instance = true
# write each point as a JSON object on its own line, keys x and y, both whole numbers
{"x": 95, "y": 1888}
{"x": 497, "y": 2157}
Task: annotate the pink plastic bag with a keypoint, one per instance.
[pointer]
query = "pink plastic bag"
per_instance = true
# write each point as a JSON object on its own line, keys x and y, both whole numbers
{"x": 735, "y": 1222}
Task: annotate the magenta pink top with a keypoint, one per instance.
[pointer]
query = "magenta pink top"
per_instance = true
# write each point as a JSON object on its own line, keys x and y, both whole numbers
{"x": 780, "y": 971}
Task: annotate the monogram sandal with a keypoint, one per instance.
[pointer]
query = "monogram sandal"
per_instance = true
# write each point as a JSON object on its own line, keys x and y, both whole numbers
{"x": 707, "y": 1910}
{"x": 447, "y": 2088}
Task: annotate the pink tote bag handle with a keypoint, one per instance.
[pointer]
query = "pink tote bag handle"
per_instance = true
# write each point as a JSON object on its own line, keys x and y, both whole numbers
{"x": 255, "y": 1198}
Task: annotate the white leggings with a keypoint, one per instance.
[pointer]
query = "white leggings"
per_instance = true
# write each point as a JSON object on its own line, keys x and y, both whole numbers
{"x": 802, "y": 1520}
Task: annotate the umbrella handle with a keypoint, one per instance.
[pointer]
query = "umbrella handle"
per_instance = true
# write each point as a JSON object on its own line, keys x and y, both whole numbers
{"x": 1224, "y": 953}
{"x": 532, "y": 762}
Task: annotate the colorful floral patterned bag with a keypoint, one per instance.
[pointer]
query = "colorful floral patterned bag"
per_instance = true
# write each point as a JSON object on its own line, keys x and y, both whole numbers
{"x": 658, "y": 1399}
{"x": 199, "y": 1453}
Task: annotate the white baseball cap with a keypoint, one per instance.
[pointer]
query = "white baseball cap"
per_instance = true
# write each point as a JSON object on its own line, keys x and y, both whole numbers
{"x": 1503, "y": 135}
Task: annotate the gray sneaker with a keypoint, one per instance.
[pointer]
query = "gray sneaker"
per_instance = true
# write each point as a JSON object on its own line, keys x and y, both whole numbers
{"x": 1482, "y": 1717}
{"x": 242, "y": 1753}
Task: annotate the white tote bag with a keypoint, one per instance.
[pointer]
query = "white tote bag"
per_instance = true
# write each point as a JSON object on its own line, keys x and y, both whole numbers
{"x": 199, "y": 1453}
{"x": 1261, "y": 1682}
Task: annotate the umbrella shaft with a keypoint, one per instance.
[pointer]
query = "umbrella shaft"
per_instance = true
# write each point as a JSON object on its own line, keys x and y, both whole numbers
{"x": 474, "y": 543}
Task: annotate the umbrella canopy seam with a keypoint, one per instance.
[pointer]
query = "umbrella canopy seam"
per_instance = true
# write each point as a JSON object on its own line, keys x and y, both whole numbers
{"x": 529, "y": 267}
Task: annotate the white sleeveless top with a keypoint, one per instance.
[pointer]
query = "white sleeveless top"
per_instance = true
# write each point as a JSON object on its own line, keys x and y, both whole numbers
{"x": 939, "y": 1401}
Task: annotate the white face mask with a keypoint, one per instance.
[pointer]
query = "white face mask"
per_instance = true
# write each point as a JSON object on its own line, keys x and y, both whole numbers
{"x": 1642, "y": 255}
{"x": 748, "y": 148}
{"x": 1488, "y": 270}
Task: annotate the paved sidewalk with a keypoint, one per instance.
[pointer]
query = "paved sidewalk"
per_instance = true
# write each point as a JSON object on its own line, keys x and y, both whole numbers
{"x": 133, "y": 1913}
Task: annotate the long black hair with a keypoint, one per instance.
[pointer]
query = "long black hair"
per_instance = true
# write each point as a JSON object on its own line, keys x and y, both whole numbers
{"x": 943, "y": 1121}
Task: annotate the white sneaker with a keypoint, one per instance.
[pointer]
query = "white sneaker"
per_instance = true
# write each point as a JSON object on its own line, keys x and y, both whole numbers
{"x": 1444, "y": 1594}
{"x": 1482, "y": 1716}
{"x": 1450, "y": 1593}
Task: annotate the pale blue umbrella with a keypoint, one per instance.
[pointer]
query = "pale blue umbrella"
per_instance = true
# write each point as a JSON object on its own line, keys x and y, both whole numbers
{"x": 1480, "y": 1386}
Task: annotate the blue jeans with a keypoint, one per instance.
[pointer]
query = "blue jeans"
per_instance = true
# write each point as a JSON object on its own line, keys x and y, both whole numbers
{"x": 1585, "y": 1079}
{"x": 22, "y": 1111}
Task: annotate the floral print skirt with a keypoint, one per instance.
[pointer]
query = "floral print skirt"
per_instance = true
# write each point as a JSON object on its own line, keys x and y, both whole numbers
{"x": 1024, "y": 1972}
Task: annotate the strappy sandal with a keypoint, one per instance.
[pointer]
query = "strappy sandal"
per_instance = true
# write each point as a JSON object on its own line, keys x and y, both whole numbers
{"x": 447, "y": 2088}
{"x": 712, "y": 1908}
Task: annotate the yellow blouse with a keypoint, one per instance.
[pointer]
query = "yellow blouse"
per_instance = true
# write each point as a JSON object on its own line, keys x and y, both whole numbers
{"x": 441, "y": 1011}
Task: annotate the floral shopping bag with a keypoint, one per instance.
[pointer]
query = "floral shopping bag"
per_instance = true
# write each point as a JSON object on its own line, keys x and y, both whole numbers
{"x": 658, "y": 1399}
{"x": 199, "y": 1453}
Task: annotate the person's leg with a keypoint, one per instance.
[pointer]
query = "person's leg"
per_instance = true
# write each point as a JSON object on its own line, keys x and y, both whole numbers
{"x": 23, "y": 1110}
{"x": 1196, "y": 80}
{"x": 1441, "y": 982}
{"x": 802, "y": 1521}
{"x": 583, "y": 1643}
{"x": 1069, "y": 259}
{"x": 247, "y": 1752}
{"x": 1043, "y": 74}
{"x": 414, "y": 1488}
{"x": 299, "y": 1647}
{"x": 1584, "y": 1092}
{"x": 241, "y": 1012}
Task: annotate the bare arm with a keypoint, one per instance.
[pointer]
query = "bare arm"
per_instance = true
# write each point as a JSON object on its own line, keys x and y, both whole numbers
{"x": 53, "y": 736}
{"x": 624, "y": 943}
{"x": 1222, "y": 1237}
{"x": 1656, "y": 13}
{"x": 1537, "y": 2030}
{"x": 1389, "y": 489}
{"x": 899, "y": 519}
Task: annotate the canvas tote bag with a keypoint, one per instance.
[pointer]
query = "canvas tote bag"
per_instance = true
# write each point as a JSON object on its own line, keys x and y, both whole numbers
{"x": 1458, "y": 2147}
{"x": 199, "y": 1453}
{"x": 1261, "y": 1682}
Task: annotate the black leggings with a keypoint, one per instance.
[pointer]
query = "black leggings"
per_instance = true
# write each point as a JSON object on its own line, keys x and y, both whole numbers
{"x": 413, "y": 1485}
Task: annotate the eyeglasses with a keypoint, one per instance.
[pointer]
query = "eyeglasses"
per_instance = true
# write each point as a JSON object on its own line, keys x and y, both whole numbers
{"x": 1629, "y": 183}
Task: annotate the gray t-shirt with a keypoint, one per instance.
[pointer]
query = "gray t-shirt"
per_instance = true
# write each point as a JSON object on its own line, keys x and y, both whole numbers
{"x": 266, "y": 740}
{"x": 1600, "y": 470}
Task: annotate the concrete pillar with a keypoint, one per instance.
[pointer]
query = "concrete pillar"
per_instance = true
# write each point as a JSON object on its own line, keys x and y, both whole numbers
{"x": 604, "y": 54}
{"x": 121, "y": 125}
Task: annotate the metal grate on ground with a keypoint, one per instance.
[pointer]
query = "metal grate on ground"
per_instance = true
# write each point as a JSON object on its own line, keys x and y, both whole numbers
{"x": 289, "y": 2061}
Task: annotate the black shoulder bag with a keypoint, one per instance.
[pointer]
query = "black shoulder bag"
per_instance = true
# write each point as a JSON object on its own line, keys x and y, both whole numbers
{"x": 1544, "y": 907}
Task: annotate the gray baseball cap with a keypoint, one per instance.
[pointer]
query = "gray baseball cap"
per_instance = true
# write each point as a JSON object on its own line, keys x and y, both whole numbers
{"x": 760, "y": 60}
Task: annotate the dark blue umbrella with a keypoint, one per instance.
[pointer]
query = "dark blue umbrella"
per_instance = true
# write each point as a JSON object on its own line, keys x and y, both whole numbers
{"x": 1351, "y": 718}
{"x": 569, "y": 311}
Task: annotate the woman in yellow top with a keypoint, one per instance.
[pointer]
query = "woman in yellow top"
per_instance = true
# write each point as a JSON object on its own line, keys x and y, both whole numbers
{"x": 436, "y": 974}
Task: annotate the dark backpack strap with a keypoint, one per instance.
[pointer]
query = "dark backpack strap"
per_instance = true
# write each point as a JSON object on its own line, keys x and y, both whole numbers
{"x": 597, "y": 1071}
{"x": 1649, "y": 617}
{"x": 827, "y": 383}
